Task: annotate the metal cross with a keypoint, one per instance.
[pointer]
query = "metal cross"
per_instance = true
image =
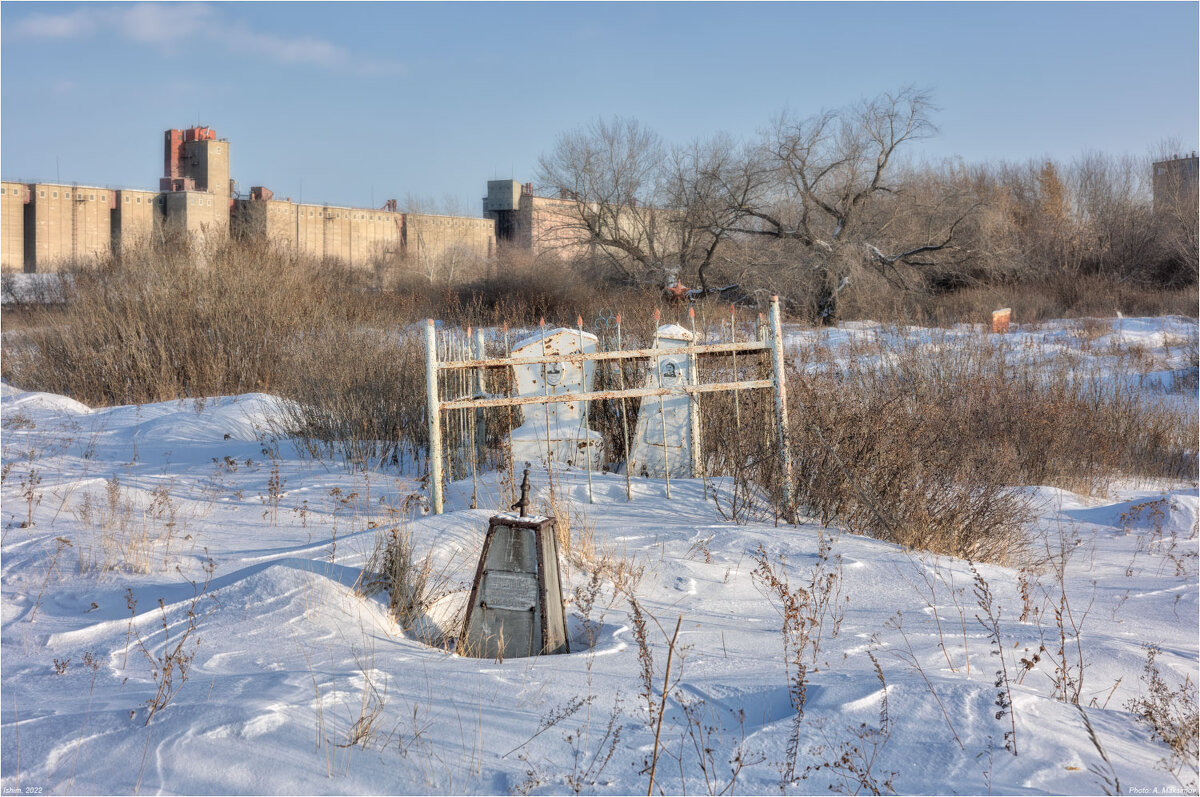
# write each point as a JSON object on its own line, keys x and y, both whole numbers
{"x": 523, "y": 502}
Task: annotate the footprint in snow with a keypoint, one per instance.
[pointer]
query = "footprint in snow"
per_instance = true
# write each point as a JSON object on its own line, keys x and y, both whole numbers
{"x": 685, "y": 584}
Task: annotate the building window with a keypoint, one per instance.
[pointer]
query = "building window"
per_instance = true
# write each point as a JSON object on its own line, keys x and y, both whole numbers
{"x": 139, "y": 200}
{"x": 104, "y": 197}
{"x": 91, "y": 197}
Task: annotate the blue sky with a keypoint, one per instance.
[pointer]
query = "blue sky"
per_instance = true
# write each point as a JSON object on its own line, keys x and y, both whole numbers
{"x": 355, "y": 103}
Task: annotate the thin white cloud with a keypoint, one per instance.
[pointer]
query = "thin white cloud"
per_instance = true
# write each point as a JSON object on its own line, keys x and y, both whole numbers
{"x": 165, "y": 25}
{"x": 56, "y": 26}
{"x": 152, "y": 23}
{"x": 298, "y": 50}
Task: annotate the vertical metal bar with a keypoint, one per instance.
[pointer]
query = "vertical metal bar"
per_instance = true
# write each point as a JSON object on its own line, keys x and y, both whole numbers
{"x": 459, "y": 458}
{"x": 546, "y": 390}
{"x": 464, "y": 415}
{"x": 470, "y": 440}
{"x": 480, "y": 390}
{"x": 624, "y": 417}
{"x": 780, "y": 379}
{"x": 694, "y": 406}
{"x": 465, "y": 378}
{"x": 434, "y": 419}
{"x": 587, "y": 429}
{"x": 454, "y": 383}
{"x": 448, "y": 391}
{"x": 451, "y": 389}
{"x": 737, "y": 410}
{"x": 510, "y": 372}
{"x": 662, "y": 414}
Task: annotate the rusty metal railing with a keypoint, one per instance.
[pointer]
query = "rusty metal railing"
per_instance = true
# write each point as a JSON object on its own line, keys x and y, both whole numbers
{"x": 772, "y": 344}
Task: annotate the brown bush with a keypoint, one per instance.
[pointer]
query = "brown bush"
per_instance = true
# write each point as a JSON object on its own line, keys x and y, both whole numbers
{"x": 172, "y": 323}
{"x": 923, "y": 446}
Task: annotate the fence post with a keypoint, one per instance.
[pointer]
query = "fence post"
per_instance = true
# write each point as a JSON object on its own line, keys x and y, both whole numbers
{"x": 480, "y": 390}
{"x": 694, "y": 408}
{"x": 779, "y": 376}
{"x": 434, "y": 413}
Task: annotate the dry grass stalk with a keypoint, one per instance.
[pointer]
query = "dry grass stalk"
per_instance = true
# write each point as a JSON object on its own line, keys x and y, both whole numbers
{"x": 1174, "y": 717}
{"x": 990, "y": 620}
{"x": 662, "y": 706}
{"x": 115, "y": 534}
{"x": 171, "y": 668}
{"x": 805, "y": 609}
{"x": 412, "y": 583}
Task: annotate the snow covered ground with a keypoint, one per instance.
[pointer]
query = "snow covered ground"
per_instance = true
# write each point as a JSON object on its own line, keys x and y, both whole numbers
{"x": 296, "y": 684}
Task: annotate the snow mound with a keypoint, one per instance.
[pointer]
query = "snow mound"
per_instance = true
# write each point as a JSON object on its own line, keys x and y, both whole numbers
{"x": 15, "y": 400}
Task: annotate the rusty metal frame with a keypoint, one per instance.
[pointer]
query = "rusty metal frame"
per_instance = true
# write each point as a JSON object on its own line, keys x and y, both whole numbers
{"x": 535, "y": 526}
{"x": 541, "y": 573}
{"x": 632, "y": 392}
{"x": 459, "y": 645}
{"x": 630, "y": 354}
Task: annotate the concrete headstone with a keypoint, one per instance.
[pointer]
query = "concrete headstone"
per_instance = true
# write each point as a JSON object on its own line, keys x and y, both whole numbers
{"x": 555, "y": 432}
{"x": 664, "y": 433}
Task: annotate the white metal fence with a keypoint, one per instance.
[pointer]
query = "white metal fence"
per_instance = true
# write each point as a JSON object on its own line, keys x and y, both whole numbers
{"x": 475, "y": 363}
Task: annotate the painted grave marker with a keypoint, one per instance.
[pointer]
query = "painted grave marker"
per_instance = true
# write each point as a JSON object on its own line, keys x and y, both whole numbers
{"x": 555, "y": 432}
{"x": 663, "y": 439}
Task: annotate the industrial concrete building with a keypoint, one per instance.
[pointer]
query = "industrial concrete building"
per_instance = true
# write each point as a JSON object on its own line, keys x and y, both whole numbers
{"x": 563, "y": 226}
{"x": 195, "y": 183}
{"x": 360, "y": 236}
{"x": 542, "y": 224}
{"x": 48, "y": 225}
{"x": 196, "y": 214}
{"x": 354, "y": 235}
{"x": 429, "y": 236}
{"x": 12, "y": 226}
{"x": 1176, "y": 181}
{"x": 64, "y": 223}
{"x": 136, "y": 218}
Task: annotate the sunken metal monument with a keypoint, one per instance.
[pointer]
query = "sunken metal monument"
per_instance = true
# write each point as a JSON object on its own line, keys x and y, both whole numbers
{"x": 516, "y": 604}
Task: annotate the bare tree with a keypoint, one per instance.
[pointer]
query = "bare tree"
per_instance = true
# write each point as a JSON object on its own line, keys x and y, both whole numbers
{"x": 827, "y": 179}
{"x": 707, "y": 183}
{"x": 609, "y": 176}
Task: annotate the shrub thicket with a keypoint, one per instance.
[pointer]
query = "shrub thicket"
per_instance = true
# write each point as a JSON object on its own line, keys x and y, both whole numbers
{"x": 920, "y": 446}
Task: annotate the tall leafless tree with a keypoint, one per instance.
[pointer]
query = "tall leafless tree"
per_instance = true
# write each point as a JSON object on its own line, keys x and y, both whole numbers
{"x": 708, "y": 182}
{"x": 608, "y": 174}
{"x": 824, "y": 181}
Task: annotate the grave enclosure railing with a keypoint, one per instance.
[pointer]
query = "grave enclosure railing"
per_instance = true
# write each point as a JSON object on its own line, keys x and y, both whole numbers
{"x": 771, "y": 342}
